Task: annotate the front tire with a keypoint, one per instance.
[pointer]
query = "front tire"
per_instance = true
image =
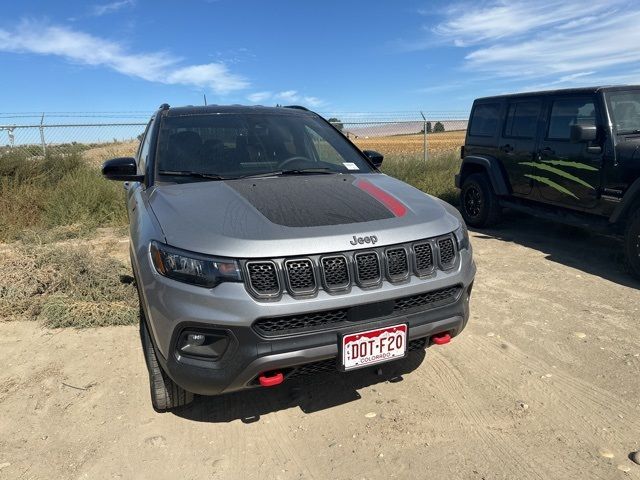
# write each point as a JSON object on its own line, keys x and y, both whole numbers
{"x": 478, "y": 202}
{"x": 165, "y": 393}
{"x": 632, "y": 244}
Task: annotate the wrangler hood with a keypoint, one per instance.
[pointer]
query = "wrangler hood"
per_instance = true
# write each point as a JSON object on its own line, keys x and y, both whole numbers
{"x": 296, "y": 215}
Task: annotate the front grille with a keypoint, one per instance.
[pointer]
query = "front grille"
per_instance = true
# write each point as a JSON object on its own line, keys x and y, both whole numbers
{"x": 300, "y": 276}
{"x": 300, "y": 323}
{"x": 424, "y": 258}
{"x": 263, "y": 278}
{"x": 335, "y": 271}
{"x": 314, "y": 321}
{"x": 397, "y": 263}
{"x": 434, "y": 299}
{"x": 447, "y": 251}
{"x": 367, "y": 268}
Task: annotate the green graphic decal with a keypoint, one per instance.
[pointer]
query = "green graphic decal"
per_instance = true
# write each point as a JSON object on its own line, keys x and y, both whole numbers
{"x": 552, "y": 184}
{"x": 557, "y": 171}
{"x": 564, "y": 163}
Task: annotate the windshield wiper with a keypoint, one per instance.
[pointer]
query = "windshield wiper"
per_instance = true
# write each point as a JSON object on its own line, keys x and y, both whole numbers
{"x": 186, "y": 173}
{"x": 295, "y": 171}
{"x": 629, "y": 132}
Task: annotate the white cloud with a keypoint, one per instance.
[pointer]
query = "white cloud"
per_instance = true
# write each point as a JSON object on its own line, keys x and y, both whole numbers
{"x": 86, "y": 49}
{"x": 258, "y": 97}
{"x": 286, "y": 96}
{"x": 106, "y": 8}
{"x": 555, "y": 42}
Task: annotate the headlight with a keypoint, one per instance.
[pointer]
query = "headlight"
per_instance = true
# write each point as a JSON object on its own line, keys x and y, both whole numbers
{"x": 193, "y": 268}
{"x": 462, "y": 235}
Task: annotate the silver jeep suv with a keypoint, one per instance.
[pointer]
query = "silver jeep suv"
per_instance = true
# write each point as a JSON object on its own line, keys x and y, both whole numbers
{"x": 265, "y": 246}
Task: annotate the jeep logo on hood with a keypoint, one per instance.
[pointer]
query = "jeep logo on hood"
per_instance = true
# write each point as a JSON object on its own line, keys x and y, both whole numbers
{"x": 372, "y": 239}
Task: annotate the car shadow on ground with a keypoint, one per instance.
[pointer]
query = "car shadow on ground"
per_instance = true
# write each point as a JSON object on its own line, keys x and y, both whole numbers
{"x": 591, "y": 253}
{"x": 310, "y": 393}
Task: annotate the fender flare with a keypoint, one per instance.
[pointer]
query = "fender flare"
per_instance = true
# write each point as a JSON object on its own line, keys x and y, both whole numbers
{"x": 494, "y": 171}
{"x": 631, "y": 198}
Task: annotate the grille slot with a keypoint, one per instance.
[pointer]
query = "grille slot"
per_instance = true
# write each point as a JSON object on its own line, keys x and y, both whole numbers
{"x": 417, "y": 344}
{"x": 397, "y": 264}
{"x": 424, "y": 258}
{"x": 300, "y": 323}
{"x": 313, "y": 368}
{"x": 263, "y": 278}
{"x": 367, "y": 268}
{"x": 300, "y": 276}
{"x": 434, "y": 299}
{"x": 335, "y": 271}
{"x": 447, "y": 252}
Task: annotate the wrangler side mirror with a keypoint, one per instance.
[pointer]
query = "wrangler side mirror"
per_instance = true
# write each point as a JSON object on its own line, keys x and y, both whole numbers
{"x": 583, "y": 133}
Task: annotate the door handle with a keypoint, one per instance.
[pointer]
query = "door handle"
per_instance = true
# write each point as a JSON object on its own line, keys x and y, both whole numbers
{"x": 547, "y": 151}
{"x": 506, "y": 148}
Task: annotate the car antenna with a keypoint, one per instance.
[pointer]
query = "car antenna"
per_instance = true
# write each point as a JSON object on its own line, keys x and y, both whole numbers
{"x": 205, "y": 99}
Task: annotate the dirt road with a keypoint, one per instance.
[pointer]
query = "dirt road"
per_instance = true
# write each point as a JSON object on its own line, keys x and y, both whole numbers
{"x": 543, "y": 384}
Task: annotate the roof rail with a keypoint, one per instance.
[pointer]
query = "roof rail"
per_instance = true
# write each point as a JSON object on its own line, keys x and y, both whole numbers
{"x": 297, "y": 107}
{"x": 164, "y": 106}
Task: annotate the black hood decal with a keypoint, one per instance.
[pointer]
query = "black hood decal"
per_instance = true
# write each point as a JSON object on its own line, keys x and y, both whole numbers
{"x": 311, "y": 201}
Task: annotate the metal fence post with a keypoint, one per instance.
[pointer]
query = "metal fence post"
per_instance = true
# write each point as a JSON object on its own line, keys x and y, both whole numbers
{"x": 44, "y": 146}
{"x": 424, "y": 135}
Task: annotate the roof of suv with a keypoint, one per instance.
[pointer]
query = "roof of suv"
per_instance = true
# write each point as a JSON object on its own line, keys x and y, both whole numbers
{"x": 563, "y": 91}
{"x": 212, "y": 109}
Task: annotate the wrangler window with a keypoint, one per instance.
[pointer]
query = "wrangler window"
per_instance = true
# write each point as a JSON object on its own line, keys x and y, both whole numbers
{"x": 568, "y": 112}
{"x": 522, "y": 119}
{"x": 484, "y": 120}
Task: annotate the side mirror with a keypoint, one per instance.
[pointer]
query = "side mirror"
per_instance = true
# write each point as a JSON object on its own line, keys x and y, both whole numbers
{"x": 123, "y": 169}
{"x": 374, "y": 157}
{"x": 583, "y": 133}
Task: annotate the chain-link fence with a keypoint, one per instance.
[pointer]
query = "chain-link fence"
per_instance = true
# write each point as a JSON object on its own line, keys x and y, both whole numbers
{"x": 101, "y": 135}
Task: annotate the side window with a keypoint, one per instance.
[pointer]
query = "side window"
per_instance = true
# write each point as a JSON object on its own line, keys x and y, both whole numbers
{"x": 522, "y": 119}
{"x": 143, "y": 151}
{"x": 567, "y": 112}
{"x": 324, "y": 150}
{"x": 484, "y": 120}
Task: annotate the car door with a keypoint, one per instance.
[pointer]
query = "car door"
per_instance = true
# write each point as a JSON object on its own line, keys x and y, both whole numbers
{"x": 567, "y": 173}
{"x": 517, "y": 144}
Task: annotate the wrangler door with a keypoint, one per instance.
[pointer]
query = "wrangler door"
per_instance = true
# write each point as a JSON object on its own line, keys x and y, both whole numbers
{"x": 567, "y": 173}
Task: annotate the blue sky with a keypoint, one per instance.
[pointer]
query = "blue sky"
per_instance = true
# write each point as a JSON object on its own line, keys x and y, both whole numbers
{"x": 332, "y": 56}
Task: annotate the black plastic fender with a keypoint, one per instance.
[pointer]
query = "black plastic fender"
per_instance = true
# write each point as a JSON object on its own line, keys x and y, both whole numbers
{"x": 629, "y": 203}
{"x": 489, "y": 164}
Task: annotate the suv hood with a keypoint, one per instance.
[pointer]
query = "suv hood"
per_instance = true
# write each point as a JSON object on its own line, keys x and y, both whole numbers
{"x": 296, "y": 215}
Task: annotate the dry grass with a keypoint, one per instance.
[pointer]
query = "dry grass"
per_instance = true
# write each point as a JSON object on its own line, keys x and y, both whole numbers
{"x": 65, "y": 285}
{"x": 95, "y": 156}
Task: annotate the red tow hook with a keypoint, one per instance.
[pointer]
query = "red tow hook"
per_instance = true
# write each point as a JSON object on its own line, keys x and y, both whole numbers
{"x": 441, "y": 338}
{"x": 271, "y": 379}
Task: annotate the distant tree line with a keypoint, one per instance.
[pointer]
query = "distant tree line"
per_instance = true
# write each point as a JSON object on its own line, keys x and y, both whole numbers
{"x": 437, "y": 128}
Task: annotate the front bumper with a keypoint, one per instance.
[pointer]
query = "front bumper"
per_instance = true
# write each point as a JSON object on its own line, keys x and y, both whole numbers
{"x": 175, "y": 307}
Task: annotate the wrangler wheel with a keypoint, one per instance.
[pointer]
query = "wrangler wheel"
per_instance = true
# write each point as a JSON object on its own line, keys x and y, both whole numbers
{"x": 478, "y": 203}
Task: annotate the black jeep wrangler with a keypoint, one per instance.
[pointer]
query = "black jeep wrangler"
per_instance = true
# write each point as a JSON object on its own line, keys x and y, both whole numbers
{"x": 569, "y": 155}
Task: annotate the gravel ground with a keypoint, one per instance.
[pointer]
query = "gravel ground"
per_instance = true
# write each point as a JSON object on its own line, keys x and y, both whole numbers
{"x": 543, "y": 384}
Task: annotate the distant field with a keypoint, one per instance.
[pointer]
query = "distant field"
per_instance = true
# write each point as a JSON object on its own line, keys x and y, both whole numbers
{"x": 444, "y": 143}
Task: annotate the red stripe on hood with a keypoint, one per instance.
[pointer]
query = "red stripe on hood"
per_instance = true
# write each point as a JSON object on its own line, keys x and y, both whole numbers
{"x": 392, "y": 203}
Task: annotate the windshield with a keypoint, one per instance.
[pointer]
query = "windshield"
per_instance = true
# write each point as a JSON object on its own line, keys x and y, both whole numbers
{"x": 233, "y": 145}
{"x": 625, "y": 111}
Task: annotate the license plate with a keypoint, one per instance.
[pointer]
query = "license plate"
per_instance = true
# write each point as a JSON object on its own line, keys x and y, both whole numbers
{"x": 374, "y": 346}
